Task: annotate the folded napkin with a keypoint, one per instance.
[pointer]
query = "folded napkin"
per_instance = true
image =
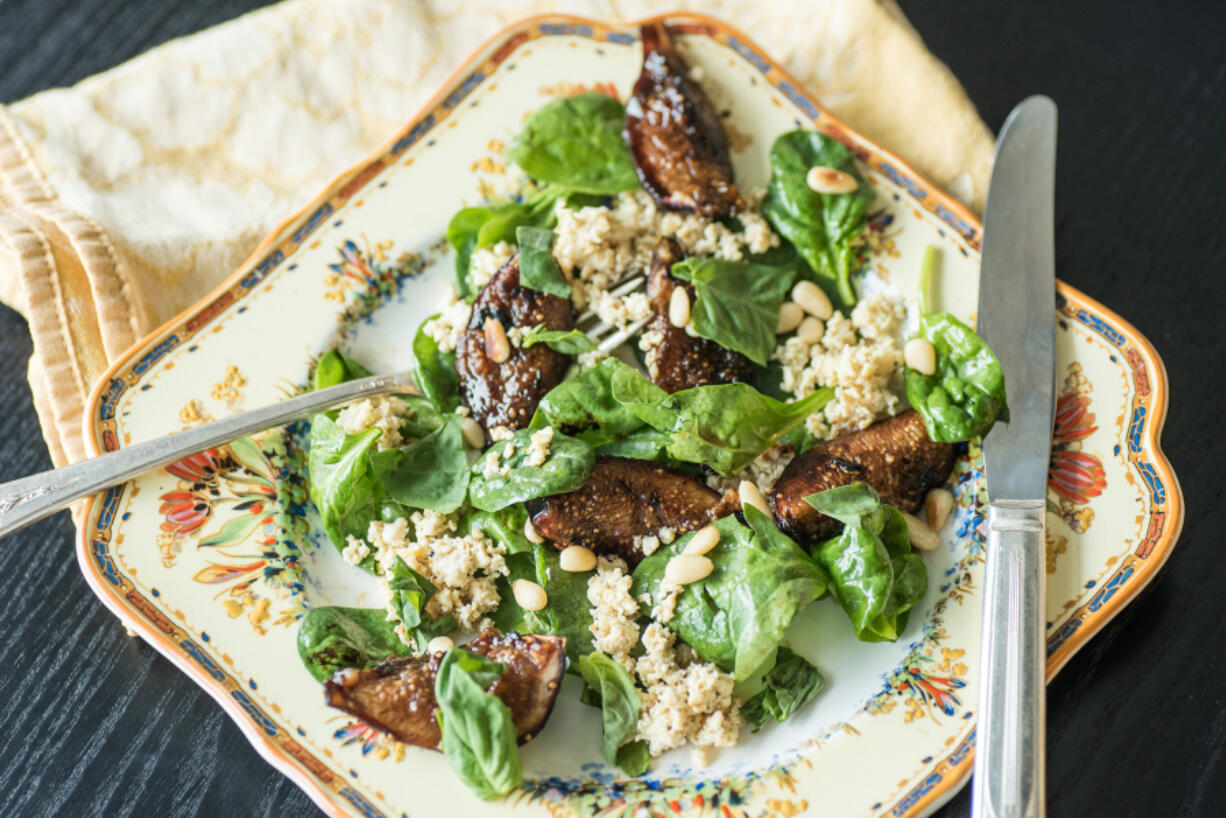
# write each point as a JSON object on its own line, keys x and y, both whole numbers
{"x": 127, "y": 197}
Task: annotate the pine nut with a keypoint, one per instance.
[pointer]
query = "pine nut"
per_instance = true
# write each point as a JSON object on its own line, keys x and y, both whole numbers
{"x": 937, "y": 506}
{"x": 811, "y": 330}
{"x": 813, "y": 300}
{"x": 921, "y": 536}
{"x": 703, "y": 541}
{"x": 751, "y": 495}
{"x": 497, "y": 347}
{"x": 529, "y": 595}
{"x": 830, "y": 180}
{"x": 531, "y": 533}
{"x": 790, "y": 316}
{"x": 577, "y": 559}
{"x": 686, "y": 568}
{"x": 679, "y": 307}
{"x": 920, "y": 355}
{"x": 474, "y": 435}
{"x": 440, "y": 644}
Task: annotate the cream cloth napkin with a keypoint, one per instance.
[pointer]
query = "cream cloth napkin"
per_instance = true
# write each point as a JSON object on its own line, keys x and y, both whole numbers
{"x": 128, "y": 196}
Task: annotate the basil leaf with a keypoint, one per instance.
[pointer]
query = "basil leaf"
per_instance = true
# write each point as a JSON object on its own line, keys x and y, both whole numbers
{"x": 576, "y": 142}
{"x": 410, "y": 592}
{"x": 790, "y": 685}
{"x": 619, "y": 709}
{"x": 821, "y": 226}
{"x": 633, "y": 758}
{"x": 537, "y": 268}
{"x": 568, "y": 342}
{"x": 566, "y": 469}
{"x": 434, "y": 371}
{"x": 966, "y": 394}
{"x": 429, "y": 473}
{"x": 738, "y": 614}
{"x": 736, "y": 304}
{"x": 335, "y": 368}
{"x": 333, "y": 638}
{"x": 472, "y": 228}
{"x": 478, "y": 733}
{"x": 586, "y": 402}
{"x": 343, "y": 486}
{"x": 875, "y": 575}
{"x": 568, "y": 613}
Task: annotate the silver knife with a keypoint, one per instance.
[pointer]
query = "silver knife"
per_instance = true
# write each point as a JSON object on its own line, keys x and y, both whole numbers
{"x": 1017, "y": 319}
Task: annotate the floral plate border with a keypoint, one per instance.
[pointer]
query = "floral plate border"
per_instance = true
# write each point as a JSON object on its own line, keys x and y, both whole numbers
{"x": 329, "y": 789}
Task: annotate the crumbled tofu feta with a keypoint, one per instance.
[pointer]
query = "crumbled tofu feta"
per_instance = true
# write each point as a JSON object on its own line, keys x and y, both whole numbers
{"x": 486, "y": 261}
{"x": 613, "y": 610}
{"x": 498, "y": 433}
{"x": 447, "y": 328}
{"x": 515, "y": 335}
{"x": 538, "y": 449}
{"x": 649, "y": 343}
{"x": 383, "y": 413}
{"x": 647, "y": 543}
{"x": 667, "y": 535}
{"x": 356, "y": 550}
{"x": 666, "y": 608}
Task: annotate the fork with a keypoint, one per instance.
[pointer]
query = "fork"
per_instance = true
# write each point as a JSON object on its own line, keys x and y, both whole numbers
{"x": 29, "y": 499}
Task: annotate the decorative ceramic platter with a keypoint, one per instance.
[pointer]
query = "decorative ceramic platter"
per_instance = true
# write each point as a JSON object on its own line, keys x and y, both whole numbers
{"x": 213, "y": 559}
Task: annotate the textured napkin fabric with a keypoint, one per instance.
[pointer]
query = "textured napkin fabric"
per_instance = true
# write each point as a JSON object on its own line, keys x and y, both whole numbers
{"x": 127, "y": 197}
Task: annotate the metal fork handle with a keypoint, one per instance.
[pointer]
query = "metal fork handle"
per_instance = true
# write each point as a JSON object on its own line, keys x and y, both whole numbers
{"x": 1008, "y": 780}
{"x": 31, "y": 498}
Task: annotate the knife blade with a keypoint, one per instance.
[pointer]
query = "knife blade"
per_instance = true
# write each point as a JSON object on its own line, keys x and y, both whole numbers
{"x": 1017, "y": 320}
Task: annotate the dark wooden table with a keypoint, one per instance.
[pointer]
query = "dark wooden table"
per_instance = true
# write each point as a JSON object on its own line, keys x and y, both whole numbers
{"x": 97, "y": 723}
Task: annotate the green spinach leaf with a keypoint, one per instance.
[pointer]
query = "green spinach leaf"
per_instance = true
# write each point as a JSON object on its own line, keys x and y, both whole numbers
{"x": 586, "y": 402}
{"x": 568, "y": 613}
{"x": 478, "y": 733}
{"x": 790, "y": 685}
{"x": 619, "y": 710}
{"x": 335, "y": 368}
{"x": 410, "y": 592}
{"x": 565, "y": 469}
{"x": 343, "y": 485}
{"x": 537, "y": 268}
{"x": 429, "y": 473}
{"x": 736, "y": 304}
{"x": 568, "y": 342}
{"x": 966, "y": 394}
{"x": 576, "y": 142}
{"x": 472, "y": 228}
{"x": 333, "y": 638}
{"x": 434, "y": 371}
{"x": 821, "y": 226}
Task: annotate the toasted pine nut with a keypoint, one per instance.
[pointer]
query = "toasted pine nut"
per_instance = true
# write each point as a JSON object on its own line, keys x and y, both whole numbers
{"x": 686, "y": 568}
{"x": 937, "y": 506}
{"x": 813, "y": 299}
{"x": 474, "y": 435}
{"x": 751, "y": 495}
{"x": 679, "y": 307}
{"x": 920, "y": 355}
{"x": 790, "y": 316}
{"x": 497, "y": 347}
{"x": 577, "y": 559}
{"x": 531, "y": 533}
{"x": 529, "y": 595}
{"x": 921, "y": 536}
{"x": 703, "y": 541}
{"x": 440, "y": 644}
{"x": 830, "y": 180}
{"x": 811, "y": 330}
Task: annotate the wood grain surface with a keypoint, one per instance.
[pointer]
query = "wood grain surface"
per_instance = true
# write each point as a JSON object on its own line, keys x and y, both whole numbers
{"x": 97, "y": 723}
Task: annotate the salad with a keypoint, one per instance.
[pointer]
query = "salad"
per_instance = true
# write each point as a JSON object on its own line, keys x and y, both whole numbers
{"x": 648, "y": 514}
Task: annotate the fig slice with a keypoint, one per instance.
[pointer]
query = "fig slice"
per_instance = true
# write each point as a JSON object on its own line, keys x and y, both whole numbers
{"x": 679, "y": 145}
{"x": 679, "y": 360}
{"x": 893, "y": 456}
{"x": 621, "y": 500}
{"x": 504, "y": 391}
{"x": 397, "y": 695}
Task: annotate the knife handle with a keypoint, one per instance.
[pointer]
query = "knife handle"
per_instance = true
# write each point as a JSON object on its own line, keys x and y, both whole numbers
{"x": 1009, "y": 746}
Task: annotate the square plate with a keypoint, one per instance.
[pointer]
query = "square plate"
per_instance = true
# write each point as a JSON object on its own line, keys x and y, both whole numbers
{"x": 213, "y": 559}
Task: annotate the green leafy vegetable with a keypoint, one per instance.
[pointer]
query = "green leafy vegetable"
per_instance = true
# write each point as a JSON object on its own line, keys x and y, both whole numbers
{"x": 333, "y": 638}
{"x": 568, "y": 613}
{"x": 737, "y": 615}
{"x": 434, "y": 371}
{"x": 643, "y": 444}
{"x": 821, "y": 226}
{"x": 736, "y": 304}
{"x": 472, "y": 228}
{"x": 586, "y": 402}
{"x": 875, "y": 575}
{"x": 566, "y": 469}
{"x": 568, "y": 342}
{"x": 537, "y": 269}
{"x": 429, "y": 473}
{"x": 478, "y": 732}
{"x": 343, "y": 486}
{"x": 790, "y": 685}
{"x": 619, "y": 711}
{"x": 506, "y": 525}
{"x": 576, "y": 142}
{"x": 966, "y": 394}
{"x": 335, "y": 368}
{"x": 410, "y": 592}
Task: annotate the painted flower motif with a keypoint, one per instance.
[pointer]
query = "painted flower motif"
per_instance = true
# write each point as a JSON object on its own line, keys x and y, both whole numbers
{"x": 202, "y": 468}
{"x": 184, "y": 512}
{"x": 1073, "y": 474}
{"x": 358, "y": 732}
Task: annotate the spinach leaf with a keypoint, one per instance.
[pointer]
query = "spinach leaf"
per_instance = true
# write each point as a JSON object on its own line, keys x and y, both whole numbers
{"x": 738, "y": 614}
{"x": 619, "y": 710}
{"x": 472, "y": 228}
{"x": 343, "y": 485}
{"x": 723, "y": 426}
{"x": 736, "y": 304}
{"x": 429, "y": 473}
{"x": 335, "y": 368}
{"x": 642, "y": 444}
{"x": 568, "y": 613}
{"x": 576, "y": 142}
{"x": 333, "y": 638}
{"x": 821, "y": 226}
{"x": 478, "y": 732}
{"x": 790, "y": 685}
{"x": 537, "y": 268}
{"x": 434, "y": 371}
{"x": 875, "y": 575}
{"x": 568, "y": 342}
{"x": 586, "y": 402}
{"x": 566, "y": 469}
{"x": 410, "y": 592}
{"x": 506, "y": 525}
{"x": 966, "y": 394}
